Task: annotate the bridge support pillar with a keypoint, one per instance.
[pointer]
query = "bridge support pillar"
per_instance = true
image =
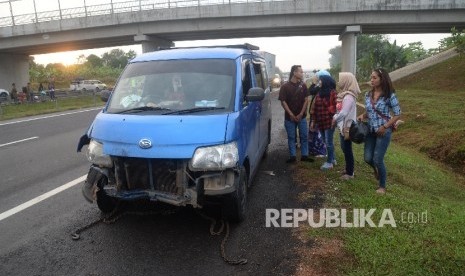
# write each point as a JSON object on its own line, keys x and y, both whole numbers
{"x": 14, "y": 68}
{"x": 349, "y": 48}
{"x": 151, "y": 43}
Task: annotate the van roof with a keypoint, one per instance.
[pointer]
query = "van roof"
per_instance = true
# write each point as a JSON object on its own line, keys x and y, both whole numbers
{"x": 214, "y": 52}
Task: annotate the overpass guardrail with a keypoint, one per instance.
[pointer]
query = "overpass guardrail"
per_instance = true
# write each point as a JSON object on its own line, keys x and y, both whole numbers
{"x": 113, "y": 7}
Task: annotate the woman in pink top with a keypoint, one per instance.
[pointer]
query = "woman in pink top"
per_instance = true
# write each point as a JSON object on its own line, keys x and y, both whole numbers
{"x": 346, "y": 109}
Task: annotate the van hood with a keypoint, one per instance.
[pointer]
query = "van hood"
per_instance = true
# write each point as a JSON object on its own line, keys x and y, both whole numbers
{"x": 157, "y": 136}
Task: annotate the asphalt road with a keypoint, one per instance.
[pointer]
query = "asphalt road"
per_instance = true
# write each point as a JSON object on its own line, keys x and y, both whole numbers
{"x": 36, "y": 240}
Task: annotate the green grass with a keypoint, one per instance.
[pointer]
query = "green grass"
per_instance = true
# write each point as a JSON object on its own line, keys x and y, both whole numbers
{"x": 432, "y": 106}
{"x": 417, "y": 186}
{"x": 61, "y": 104}
{"x": 426, "y": 168}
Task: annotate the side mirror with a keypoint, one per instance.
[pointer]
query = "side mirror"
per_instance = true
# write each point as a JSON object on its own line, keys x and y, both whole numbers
{"x": 105, "y": 95}
{"x": 255, "y": 94}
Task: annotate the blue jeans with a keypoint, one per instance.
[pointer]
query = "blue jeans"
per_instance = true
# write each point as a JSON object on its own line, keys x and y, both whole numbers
{"x": 346, "y": 146}
{"x": 375, "y": 149}
{"x": 291, "y": 136}
{"x": 328, "y": 137}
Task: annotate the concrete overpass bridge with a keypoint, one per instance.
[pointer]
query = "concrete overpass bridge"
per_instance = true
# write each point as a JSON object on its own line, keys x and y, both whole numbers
{"x": 154, "y": 23}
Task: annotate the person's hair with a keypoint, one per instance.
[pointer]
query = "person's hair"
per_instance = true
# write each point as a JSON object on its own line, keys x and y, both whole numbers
{"x": 293, "y": 68}
{"x": 327, "y": 85}
{"x": 386, "y": 83}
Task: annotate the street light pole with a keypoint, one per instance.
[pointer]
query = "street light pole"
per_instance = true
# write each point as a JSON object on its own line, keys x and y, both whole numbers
{"x": 11, "y": 12}
{"x": 59, "y": 7}
{"x": 35, "y": 10}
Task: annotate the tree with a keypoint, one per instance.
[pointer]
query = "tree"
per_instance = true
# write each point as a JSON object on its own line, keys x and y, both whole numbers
{"x": 94, "y": 61}
{"x": 415, "y": 52}
{"x": 335, "y": 59}
{"x": 81, "y": 59}
{"x": 458, "y": 39}
{"x": 117, "y": 58}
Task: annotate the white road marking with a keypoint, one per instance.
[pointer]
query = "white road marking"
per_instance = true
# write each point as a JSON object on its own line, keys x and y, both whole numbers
{"x": 19, "y": 141}
{"x": 40, "y": 198}
{"x": 50, "y": 116}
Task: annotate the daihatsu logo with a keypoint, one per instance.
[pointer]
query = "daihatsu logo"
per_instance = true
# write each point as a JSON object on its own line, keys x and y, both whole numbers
{"x": 145, "y": 143}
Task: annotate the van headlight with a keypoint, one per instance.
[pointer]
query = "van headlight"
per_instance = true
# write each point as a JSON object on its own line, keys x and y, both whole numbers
{"x": 95, "y": 154}
{"x": 215, "y": 158}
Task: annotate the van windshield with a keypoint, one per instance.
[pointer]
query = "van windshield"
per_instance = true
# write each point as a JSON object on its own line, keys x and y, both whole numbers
{"x": 175, "y": 85}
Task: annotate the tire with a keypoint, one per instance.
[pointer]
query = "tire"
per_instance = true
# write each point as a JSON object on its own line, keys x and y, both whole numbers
{"x": 234, "y": 205}
{"x": 105, "y": 203}
{"x": 97, "y": 89}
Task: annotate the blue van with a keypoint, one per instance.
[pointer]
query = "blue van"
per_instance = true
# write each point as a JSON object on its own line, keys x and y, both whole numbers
{"x": 183, "y": 126}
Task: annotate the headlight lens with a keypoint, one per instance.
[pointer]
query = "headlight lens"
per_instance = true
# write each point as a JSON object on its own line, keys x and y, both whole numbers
{"x": 95, "y": 154}
{"x": 215, "y": 158}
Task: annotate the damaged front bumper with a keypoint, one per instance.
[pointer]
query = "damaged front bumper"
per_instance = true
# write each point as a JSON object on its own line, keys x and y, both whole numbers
{"x": 168, "y": 181}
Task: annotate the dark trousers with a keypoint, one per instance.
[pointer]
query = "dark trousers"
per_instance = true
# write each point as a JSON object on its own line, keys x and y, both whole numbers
{"x": 346, "y": 146}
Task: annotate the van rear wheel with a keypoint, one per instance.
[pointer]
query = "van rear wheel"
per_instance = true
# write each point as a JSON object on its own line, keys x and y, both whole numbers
{"x": 234, "y": 205}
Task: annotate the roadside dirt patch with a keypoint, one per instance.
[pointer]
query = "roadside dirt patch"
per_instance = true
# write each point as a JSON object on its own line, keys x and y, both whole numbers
{"x": 318, "y": 255}
{"x": 319, "y": 258}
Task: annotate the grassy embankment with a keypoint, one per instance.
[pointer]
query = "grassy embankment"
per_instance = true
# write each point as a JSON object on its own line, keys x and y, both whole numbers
{"x": 426, "y": 197}
{"x": 12, "y": 111}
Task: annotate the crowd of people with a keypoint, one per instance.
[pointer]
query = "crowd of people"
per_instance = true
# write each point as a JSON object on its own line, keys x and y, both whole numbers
{"x": 333, "y": 108}
{"x": 27, "y": 94}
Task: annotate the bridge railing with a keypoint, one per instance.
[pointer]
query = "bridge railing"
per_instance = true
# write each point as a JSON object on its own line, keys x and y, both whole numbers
{"x": 108, "y": 8}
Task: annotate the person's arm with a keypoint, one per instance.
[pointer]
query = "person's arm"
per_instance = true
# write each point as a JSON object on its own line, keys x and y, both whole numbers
{"x": 288, "y": 110}
{"x": 394, "y": 105}
{"x": 347, "y": 104}
{"x": 302, "y": 111}
{"x": 313, "y": 89}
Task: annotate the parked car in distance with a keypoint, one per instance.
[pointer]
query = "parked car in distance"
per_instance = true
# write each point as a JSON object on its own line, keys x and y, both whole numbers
{"x": 186, "y": 127}
{"x": 4, "y": 95}
{"x": 87, "y": 85}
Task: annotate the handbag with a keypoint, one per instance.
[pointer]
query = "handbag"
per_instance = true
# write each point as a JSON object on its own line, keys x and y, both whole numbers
{"x": 358, "y": 132}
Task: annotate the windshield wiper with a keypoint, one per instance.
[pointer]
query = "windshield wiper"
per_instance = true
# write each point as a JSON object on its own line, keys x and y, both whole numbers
{"x": 143, "y": 108}
{"x": 193, "y": 110}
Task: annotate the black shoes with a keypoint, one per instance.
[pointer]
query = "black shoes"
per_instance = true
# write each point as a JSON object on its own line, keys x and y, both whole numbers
{"x": 306, "y": 159}
{"x": 292, "y": 159}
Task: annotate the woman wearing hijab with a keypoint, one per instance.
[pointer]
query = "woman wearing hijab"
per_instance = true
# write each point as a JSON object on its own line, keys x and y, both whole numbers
{"x": 322, "y": 112}
{"x": 346, "y": 114}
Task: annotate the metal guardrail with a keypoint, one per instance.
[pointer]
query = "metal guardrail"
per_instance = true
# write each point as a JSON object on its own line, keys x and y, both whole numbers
{"x": 110, "y": 8}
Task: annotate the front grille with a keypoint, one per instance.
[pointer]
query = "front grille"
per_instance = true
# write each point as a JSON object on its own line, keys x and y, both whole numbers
{"x": 164, "y": 175}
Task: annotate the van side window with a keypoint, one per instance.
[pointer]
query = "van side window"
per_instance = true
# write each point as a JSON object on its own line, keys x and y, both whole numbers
{"x": 260, "y": 74}
{"x": 246, "y": 80}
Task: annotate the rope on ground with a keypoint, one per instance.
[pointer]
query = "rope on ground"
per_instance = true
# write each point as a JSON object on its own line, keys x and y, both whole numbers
{"x": 240, "y": 261}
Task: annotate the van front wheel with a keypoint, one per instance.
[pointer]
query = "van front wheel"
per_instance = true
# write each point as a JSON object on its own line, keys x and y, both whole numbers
{"x": 105, "y": 203}
{"x": 235, "y": 203}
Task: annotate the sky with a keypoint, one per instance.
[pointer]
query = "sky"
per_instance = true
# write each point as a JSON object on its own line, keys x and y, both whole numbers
{"x": 312, "y": 52}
